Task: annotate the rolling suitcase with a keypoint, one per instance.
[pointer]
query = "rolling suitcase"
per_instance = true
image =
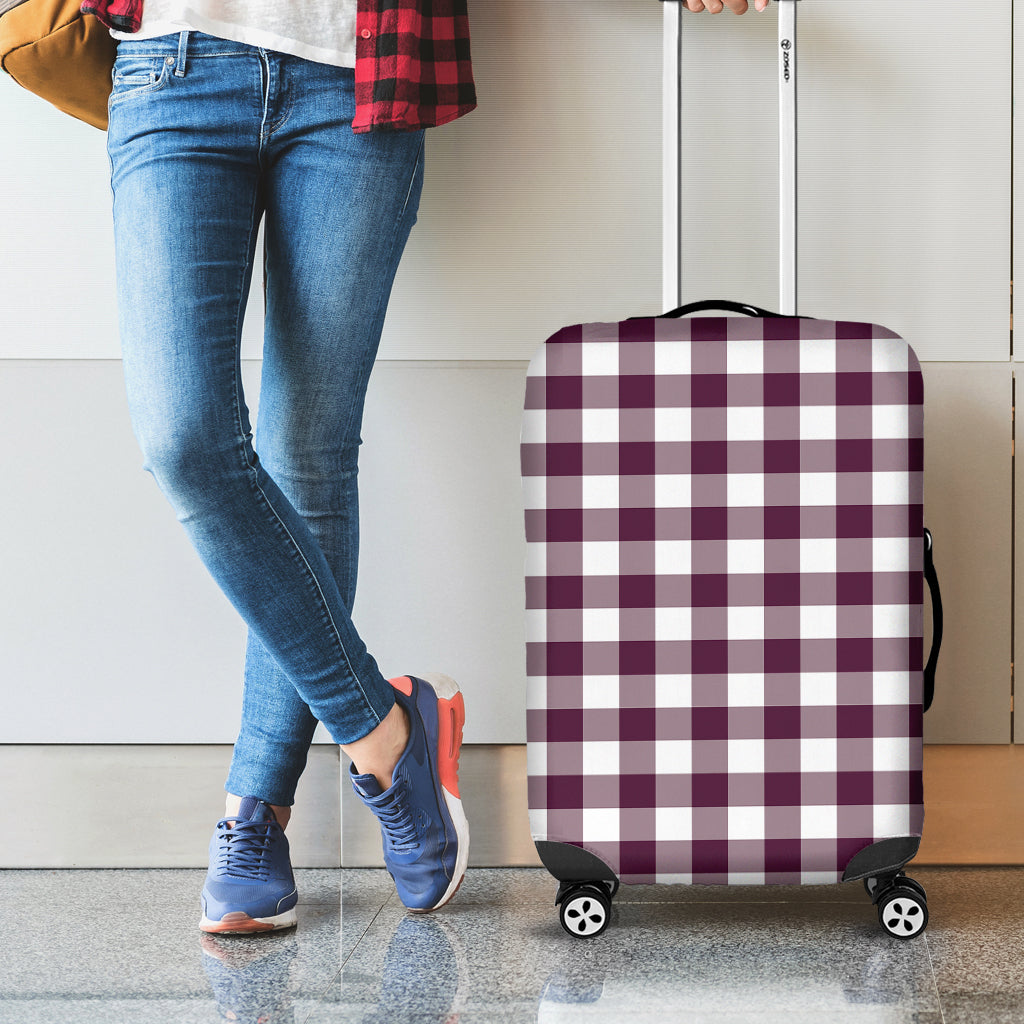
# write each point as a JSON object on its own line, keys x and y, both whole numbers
{"x": 724, "y": 599}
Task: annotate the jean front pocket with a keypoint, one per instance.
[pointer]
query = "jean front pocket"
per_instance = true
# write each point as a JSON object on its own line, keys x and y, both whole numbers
{"x": 135, "y": 74}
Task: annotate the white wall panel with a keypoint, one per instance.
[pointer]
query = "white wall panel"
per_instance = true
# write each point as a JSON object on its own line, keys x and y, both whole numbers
{"x": 967, "y": 507}
{"x": 903, "y": 167}
{"x": 112, "y": 631}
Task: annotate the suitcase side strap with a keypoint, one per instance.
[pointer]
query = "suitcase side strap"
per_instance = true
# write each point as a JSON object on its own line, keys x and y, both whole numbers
{"x": 933, "y": 587}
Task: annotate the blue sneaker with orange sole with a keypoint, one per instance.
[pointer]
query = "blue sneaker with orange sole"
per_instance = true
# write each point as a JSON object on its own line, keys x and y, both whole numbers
{"x": 249, "y": 886}
{"x": 423, "y": 825}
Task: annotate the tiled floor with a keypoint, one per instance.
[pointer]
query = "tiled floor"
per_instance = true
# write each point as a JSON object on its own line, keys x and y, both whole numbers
{"x": 122, "y": 946}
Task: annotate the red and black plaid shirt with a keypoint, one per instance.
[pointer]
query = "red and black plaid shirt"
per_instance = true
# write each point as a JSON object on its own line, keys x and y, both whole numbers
{"x": 413, "y": 67}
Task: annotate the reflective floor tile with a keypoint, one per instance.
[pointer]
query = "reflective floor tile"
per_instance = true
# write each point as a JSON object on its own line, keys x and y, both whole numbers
{"x": 86, "y": 944}
{"x": 91, "y": 947}
{"x": 804, "y": 956}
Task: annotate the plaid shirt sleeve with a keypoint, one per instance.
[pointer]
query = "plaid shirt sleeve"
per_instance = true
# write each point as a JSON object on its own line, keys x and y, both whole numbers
{"x": 413, "y": 67}
{"x": 123, "y": 15}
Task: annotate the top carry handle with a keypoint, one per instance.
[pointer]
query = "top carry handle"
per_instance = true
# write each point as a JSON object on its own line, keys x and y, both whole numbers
{"x": 671, "y": 239}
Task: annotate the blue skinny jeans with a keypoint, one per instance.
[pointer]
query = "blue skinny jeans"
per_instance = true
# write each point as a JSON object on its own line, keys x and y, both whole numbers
{"x": 206, "y": 137}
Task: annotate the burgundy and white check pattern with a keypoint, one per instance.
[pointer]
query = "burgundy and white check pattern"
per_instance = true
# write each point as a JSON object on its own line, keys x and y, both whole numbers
{"x": 724, "y": 595}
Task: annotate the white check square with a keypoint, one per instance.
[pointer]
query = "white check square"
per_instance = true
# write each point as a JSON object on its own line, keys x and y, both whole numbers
{"x": 889, "y": 355}
{"x": 890, "y": 421}
{"x": 890, "y": 554}
{"x": 538, "y": 823}
{"x": 673, "y": 624}
{"x": 819, "y": 821}
{"x": 672, "y": 490}
{"x": 672, "y": 557}
{"x": 891, "y": 819}
{"x": 746, "y": 690}
{"x": 746, "y": 756}
{"x": 673, "y": 757}
{"x": 600, "y": 624}
{"x": 818, "y": 689}
{"x": 600, "y": 757}
{"x": 817, "y": 422}
{"x": 537, "y": 625}
{"x": 534, "y": 426}
{"x": 818, "y": 622}
{"x": 600, "y": 424}
{"x": 818, "y": 554}
{"x": 745, "y": 556}
{"x": 673, "y": 691}
{"x": 746, "y": 823}
{"x": 745, "y": 490}
{"x": 536, "y": 559}
{"x": 746, "y": 623}
{"x": 600, "y": 358}
{"x": 535, "y": 492}
{"x": 600, "y": 557}
{"x": 601, "y": 691}
{"x": 890, "y": 754}
{"x": 818, "y": 355}
{"x": 890, "y": 488}
{"x": 891, "y": 620}
{"x": 671, "y": 356}
{"x": 672, "y": 423}
{"x": 819, "y": 754}
{"x": 744, "y": 423}
{"x": 818, "y": 488}
{"x": 673, "y": 823}
{"x": 744, "y": 355}
{"x": 890, "y": 688}
{"x": 600, "y": 491}
{"x": 600, "y": 825}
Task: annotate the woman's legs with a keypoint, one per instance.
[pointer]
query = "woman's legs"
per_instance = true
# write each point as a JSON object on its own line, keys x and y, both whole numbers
{"x": 198, "y": 154}
{"x": 228, "y": 131}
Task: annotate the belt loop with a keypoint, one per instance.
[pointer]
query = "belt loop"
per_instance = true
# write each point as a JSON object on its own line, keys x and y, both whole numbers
{"x": 182, "y": 47}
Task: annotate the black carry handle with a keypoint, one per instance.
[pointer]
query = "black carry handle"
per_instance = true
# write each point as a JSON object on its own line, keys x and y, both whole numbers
{"x": 736, "y": 307}
{"x": 933, "y": 587}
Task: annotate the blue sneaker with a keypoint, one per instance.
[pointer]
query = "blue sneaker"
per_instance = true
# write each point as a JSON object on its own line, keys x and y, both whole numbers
{"x": 423, "y": 825}
{"x": 249, "y": 886}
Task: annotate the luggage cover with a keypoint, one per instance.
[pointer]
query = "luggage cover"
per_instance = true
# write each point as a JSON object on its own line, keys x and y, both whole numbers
{"x": 724, "y": 587}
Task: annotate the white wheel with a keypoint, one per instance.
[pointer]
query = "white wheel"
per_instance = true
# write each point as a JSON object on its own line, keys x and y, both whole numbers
{"x": 903, "y": 912}
{"x": 585, "y": 913}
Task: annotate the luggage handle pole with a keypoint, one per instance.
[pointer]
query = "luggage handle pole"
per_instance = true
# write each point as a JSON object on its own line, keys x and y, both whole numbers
{"x": 787, "y": 156}
{"x": 671, "y": 184}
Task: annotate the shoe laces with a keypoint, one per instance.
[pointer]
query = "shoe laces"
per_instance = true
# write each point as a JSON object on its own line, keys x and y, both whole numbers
{"x": 244, "y": 848}
{"x": 397, "y": 821}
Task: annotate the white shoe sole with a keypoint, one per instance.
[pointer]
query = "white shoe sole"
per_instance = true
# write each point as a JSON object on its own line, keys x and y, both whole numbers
{"x": 240, "y": 923}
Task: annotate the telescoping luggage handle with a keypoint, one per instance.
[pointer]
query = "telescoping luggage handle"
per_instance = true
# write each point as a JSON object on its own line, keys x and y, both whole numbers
{"x": 671, "y": 141}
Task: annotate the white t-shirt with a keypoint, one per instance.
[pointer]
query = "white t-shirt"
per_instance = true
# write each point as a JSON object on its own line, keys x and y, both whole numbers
{"x": 320, "y": 30}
